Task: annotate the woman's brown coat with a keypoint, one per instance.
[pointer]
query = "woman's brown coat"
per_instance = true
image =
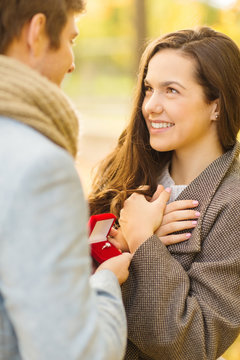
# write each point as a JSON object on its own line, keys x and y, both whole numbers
{"x": 183, "y": 301}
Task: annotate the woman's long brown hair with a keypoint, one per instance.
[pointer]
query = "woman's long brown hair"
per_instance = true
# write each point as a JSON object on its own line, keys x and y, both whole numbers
{"x": 133, "y": 162}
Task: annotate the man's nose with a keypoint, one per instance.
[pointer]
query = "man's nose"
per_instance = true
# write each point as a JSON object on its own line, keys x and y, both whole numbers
{"x": 72, "y": 68}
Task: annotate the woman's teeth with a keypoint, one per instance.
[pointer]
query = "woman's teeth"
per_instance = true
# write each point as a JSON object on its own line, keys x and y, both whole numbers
{"x": 161, "y": 125}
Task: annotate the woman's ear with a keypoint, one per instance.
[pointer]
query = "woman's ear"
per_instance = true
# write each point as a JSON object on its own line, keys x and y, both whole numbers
{"x": 37, "y": 39}
{"x": 215, "y": 110}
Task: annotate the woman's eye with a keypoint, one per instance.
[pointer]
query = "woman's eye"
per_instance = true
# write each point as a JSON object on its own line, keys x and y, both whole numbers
{"x": 147, "y": 88}
{"x": 171, "y": 90}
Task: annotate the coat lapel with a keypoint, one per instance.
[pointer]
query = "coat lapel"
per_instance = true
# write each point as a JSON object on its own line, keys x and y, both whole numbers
{"x": 203, "y": 189}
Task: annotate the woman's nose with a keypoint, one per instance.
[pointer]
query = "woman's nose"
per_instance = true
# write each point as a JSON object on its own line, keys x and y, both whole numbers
{"x": 153, "y": 104}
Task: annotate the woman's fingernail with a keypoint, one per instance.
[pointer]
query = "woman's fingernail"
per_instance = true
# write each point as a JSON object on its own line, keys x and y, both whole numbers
{"x": 195, "y": 202}
{"x": 194, "y": 222}
{"x": 197, "y": 214}
{"x": 188, "y": 235}
{"x": 168, "y": 189}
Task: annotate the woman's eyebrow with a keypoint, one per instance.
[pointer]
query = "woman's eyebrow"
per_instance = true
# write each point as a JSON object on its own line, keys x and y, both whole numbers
{"x": 166, "y": 83}
{"x": 171, "y": 82}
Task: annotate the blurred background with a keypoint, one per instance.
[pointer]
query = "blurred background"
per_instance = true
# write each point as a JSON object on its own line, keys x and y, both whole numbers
{"x": 112, "y": 36}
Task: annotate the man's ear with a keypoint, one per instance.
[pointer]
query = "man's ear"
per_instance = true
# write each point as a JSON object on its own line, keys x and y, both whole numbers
{"x": 215, "y": 110}
{"x": 37, "y": 39}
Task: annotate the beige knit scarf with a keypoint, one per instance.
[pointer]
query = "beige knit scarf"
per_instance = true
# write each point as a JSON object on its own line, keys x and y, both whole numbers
{"x": 28, "y": 97}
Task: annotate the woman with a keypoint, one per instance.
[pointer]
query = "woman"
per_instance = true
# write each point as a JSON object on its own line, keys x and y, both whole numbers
{"x": 182, "y": 301}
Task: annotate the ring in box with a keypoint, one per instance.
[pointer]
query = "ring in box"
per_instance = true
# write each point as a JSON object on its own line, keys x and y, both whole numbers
{"x": 99, "y": 228}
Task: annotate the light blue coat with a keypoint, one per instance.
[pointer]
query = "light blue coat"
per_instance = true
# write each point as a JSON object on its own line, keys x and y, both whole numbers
{"x": 48, "y": 309}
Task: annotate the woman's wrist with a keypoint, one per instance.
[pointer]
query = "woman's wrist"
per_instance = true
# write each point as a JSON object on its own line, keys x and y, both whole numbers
{"x": 135, "y": 241}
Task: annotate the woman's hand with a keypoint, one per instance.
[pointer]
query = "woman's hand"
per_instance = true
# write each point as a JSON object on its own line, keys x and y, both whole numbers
{"x": 117, "y": 239}
{"x": 178, "y": 216}
{"x": 139, "y": 218}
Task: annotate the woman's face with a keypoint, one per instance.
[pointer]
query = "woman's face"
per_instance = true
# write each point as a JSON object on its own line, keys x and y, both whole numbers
{"x": 177, "y": 115}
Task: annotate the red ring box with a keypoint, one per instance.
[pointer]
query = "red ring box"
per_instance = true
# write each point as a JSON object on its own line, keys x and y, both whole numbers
{"x": 99, "y": 228}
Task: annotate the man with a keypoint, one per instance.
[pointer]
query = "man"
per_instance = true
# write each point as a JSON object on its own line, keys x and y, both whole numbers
{"x": 48, "y": 307}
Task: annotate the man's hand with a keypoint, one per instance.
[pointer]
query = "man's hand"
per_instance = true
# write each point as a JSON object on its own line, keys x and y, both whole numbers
{"x": 118, "y": 265}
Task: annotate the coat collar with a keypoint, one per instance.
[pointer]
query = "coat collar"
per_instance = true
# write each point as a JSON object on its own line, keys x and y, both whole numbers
{"x": 203, "y": 189}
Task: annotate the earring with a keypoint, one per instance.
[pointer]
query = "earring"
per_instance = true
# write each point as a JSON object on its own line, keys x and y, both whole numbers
{"x": 216, "y": 116}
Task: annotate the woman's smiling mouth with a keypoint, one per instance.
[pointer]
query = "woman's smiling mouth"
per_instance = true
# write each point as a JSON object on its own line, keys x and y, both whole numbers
{"x": 161, "y": 125}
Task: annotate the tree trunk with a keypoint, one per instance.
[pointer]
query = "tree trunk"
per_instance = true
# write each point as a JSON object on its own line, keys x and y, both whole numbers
{"x": 141, "y": 28}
